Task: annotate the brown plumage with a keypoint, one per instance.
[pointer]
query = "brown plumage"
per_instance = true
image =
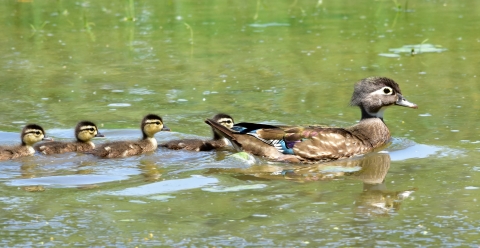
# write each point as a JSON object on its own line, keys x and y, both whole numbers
{"x": 317, "y": 144}
{"x": 203, "y": 145}
{"x": 151, "y": 124}
{"x": 85, "y": 131}
{"x": 30, "y": 135}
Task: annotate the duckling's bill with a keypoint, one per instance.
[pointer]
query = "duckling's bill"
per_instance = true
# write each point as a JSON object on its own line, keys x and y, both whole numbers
{"x": 165, "y": 128}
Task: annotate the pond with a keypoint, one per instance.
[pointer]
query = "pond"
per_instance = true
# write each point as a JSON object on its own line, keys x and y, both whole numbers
{"x": 286, "y": 62}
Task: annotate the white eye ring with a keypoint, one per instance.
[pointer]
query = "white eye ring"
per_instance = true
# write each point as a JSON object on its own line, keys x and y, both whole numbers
{"x": 387, "y": 90}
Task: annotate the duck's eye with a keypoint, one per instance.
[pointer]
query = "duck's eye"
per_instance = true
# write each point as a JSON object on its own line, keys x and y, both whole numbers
{"x": 38, "y": 132}
{"x": 157, "y": 122}
{"x": 387, "y": 90}
{"x": 228, "y": 122}
{"x": 91, "y": 129}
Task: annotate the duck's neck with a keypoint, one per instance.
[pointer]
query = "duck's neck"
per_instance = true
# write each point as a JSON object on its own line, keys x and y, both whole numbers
{"x": 368, "y": 115}
{"x": 29, "y": 148}
{"x": 90, "y": 143}
{"x": 216, "y": 136}
{"x": 152, "y": 140}
{"x": 372, "y": 131}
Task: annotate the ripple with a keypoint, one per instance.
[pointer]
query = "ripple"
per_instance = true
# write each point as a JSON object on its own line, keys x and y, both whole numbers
{"x": 119, "y": 105}
{"x": 218, "y": 189}
{"x": 166, "y": 186}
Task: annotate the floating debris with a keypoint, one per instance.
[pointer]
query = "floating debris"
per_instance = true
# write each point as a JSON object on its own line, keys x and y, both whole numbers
{"x": 270, "y": 24}
{"x": 244, "y": 157}
{"x": 417, "y": 49}
{"x": 425, "y": 115}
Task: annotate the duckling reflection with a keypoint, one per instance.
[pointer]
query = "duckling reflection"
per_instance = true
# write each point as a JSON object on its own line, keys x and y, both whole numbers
{"x": 150, "y": 171}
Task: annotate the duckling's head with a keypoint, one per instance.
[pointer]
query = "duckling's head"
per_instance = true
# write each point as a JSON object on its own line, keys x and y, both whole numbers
{"x": 374, "y": 94}
{"x": 224, "y": 119}
{"x": 86, "y": 130}
{"x": 33, "y": 133}
{"x": 152, "y": 124}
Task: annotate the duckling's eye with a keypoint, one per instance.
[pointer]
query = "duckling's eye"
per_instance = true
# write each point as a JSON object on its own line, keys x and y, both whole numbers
{"x": 91, "y": 129}
{"x": 228, "y": 122}
{"x": 38, "y": 132}
{"x": 157, "y": 122}
{"x": 387, "y": 90}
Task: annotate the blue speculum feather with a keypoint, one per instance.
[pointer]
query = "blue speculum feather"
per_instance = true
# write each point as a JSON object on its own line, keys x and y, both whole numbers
{"x": 281, "y": 145}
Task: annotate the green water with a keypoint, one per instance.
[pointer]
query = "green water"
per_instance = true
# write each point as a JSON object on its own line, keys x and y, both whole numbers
{"x": 290, "y": 62}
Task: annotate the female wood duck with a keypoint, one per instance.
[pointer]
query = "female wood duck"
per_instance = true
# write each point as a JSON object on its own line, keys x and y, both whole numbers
{"x": 203, "y": 145}
{"x": 85, "y": 131}
{"x": 31, "y": 134}
{"x": 317, "y": 144}
{"x": 151, "y": 124}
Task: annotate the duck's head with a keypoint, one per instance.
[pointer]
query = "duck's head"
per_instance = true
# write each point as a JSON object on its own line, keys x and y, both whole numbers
{"x": 374, "y": 94}
{"x": 33, "y": 133}
{"x": 152, "y": 124}
{"x": 86, "y": 130}
{"x": 224, "y": 119}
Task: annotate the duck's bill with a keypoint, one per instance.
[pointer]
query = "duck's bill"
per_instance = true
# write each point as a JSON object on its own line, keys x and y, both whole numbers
{"x": 99, "y": 135}
{"x": 47, "y": 139}
{"x": 165, "y": 128}
{"x": 403, "y": 102}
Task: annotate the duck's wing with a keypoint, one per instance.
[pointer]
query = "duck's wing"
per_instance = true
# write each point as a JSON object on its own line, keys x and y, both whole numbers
{"x": 310, "y": 143}
{"x": 258, "y": 139}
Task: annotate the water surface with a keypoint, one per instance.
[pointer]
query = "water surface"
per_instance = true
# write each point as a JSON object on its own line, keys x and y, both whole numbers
{"x": 288, "y": 62}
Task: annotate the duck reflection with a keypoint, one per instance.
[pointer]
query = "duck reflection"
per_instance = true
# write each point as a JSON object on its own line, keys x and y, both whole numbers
{"x": 371, "y": 169}
{"x": 375, "y": 198}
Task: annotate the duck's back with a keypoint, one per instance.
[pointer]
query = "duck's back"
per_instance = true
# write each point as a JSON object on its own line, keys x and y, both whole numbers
{"x": 323, "y": 144}
{"x": 118, "y": 149}
{"x": 13, "y": 152}
{"x": 58, "y": 147}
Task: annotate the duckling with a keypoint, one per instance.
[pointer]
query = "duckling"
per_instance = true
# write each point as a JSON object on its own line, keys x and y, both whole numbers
{"x": 318, "y": 144}
{"x": 31, "y": 134}
{"x": 85, "y": 131}
{"x": 203, "y": 145}
{"x": 151, "y": 124}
